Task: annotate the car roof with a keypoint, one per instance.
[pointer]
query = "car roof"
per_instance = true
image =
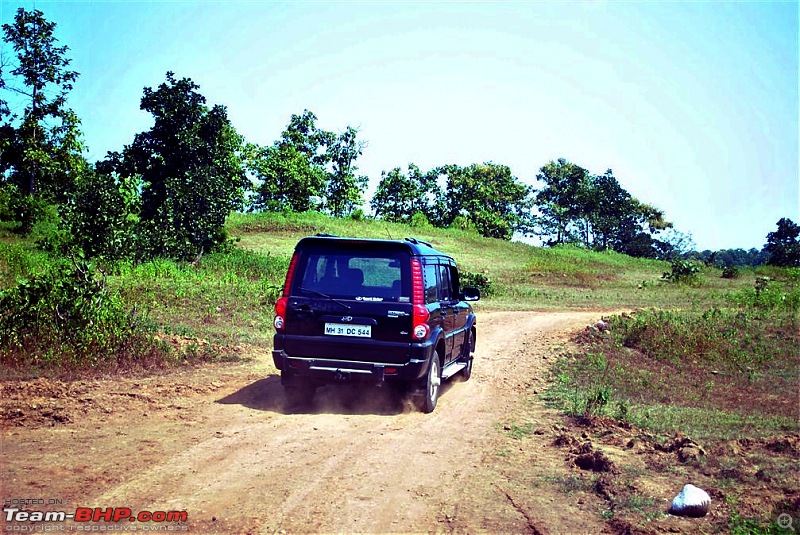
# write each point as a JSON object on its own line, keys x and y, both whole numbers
{"x": 414, "y": 246}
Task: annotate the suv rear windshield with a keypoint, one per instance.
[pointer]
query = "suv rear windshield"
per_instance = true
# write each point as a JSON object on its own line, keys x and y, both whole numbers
{"x": 359, "y": 275}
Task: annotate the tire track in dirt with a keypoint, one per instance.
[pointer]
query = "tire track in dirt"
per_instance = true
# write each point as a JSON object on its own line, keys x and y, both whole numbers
{"x": 358, "y": 461}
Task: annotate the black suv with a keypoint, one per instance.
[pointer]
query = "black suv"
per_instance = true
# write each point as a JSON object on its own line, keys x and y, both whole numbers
{"x": 372, "y": 310}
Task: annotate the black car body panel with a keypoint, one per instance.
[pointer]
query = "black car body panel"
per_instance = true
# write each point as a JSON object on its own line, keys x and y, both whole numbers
{"x": 375, "y": 310}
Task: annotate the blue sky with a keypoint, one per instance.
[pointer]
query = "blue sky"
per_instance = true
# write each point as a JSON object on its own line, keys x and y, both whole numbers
{"x": 694, "y": 105}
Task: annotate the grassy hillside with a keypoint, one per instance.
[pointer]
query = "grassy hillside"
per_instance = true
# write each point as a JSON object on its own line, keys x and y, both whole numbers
{"x": 226, "y": 300}
{"x": 523, "y": 277}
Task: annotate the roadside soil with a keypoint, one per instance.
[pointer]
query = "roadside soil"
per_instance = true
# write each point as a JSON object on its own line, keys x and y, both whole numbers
{"x": 216, "y": 441}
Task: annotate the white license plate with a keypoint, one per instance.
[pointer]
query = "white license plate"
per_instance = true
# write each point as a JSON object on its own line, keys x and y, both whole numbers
{"x": 343, "y": 329}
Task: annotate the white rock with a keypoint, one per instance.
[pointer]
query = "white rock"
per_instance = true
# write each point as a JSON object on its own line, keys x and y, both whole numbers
{"x": 692, "y": 501}
{"x": 602, "y": 326}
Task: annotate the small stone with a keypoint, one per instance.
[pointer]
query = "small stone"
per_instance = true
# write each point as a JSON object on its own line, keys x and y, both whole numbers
{"x": 690, "y": 454}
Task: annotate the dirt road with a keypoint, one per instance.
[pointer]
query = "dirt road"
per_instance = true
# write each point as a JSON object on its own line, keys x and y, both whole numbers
{"x": 216, "y": 442}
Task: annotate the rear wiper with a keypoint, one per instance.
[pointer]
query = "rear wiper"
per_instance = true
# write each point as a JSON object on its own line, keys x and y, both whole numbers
{"x": 325, "y": 296}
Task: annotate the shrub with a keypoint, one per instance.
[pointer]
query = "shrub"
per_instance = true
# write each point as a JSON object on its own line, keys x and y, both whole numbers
{"x": 477, "y": 280}
{"x": 730, "y": 272}
{"x": 66, "y": 317}
{"x": 99, "y": 216}
{"x": 683, "y": 271}
{"x": 17, "y": 260}
{"x": 47, "y": 232}
{"x": 20, "y": 211}
{"x": 768, "y": 294}
{"x": 462, "y": 223}
{"x": 419, "y": 220}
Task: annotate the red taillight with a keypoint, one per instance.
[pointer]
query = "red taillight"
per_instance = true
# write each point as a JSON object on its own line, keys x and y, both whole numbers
{"x": 417, "y": 284}
{"x": 281, "y": 303}
{"x": 280, "y": 313}
{"x": 420, "y": 329}
{"x": 289, "y": 275}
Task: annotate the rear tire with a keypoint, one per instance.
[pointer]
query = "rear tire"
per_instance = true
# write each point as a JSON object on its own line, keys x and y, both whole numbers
{"x": 432, "y": 385}
{"x": 299, "y": 391}
{"x": 298, "y": 396}
{"x": 468, "y": 354}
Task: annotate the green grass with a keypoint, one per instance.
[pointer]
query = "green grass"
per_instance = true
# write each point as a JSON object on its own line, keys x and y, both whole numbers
{"x": 718, "y": 374}
{"x": 523, "y": 277}
{"x": 227, "y": 299}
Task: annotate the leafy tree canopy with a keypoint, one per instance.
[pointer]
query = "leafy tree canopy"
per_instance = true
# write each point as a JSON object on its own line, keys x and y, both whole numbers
{"x": 289, "y": 179}
{"x": 41, "y": 149}
{"x": 345, "y": 188}
{"x": 400, "y": 196}
{"x": 308, "y": 169}
{"x": 562, "y": 201}
{"x": 783, "y": 245}
{"x": 576, "y": 206}
{"x": 726, "y": 258}
{"x": 101, "y": 213}
{"x": 486, "y": 197}
{"x": 191, "y": 169}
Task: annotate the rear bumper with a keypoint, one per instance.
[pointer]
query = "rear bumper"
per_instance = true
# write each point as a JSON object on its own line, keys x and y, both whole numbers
{"x": 328, "y": 370}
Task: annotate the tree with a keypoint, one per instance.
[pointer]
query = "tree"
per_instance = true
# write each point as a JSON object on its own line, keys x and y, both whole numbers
{"x": 345, "y": 190}
{"x": 639, "y": 230}
{"x": 6, "y": 129}
{"x": 291, "y": 173}
{"x": 289, "y": 179}
{"x": 562, "y": 201}
{"x": 487, "y": 195}
{"x": 42, "y": 154}
{"x": 674, "y": 244}
{"x": 607, "y": 208}
{"x": 783, "y": 245}
{"x": 191, "y": 169}
{"x": 303, "y": 134}
{"x": 398, "y": 196}
{"x": 308, "y": 169}
{"x": 596, "y": 211}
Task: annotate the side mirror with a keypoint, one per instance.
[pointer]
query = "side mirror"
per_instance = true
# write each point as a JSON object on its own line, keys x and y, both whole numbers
{"x": 468, "y": 293}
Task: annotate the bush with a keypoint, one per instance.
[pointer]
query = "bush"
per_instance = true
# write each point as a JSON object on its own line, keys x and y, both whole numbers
{"x": 730, "y": 272}
{"x": 18, "y": 210}
{"x": 769, "y": 295}
{"x": 419, "y": 221}
{"x": 47, "y": 232}
{"x": 683, "y": 271}
{"x": 66, "y": 317}
{"x": 462, "y": 223}
{"x": 99, "y": 216}
{"x": 477, "y": 280}
{"x": 11, "y": 206}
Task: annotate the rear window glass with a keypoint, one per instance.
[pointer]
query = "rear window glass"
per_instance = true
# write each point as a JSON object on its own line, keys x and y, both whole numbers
{"x": 360, "y": 275}
{"x": 431, "y": 295}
